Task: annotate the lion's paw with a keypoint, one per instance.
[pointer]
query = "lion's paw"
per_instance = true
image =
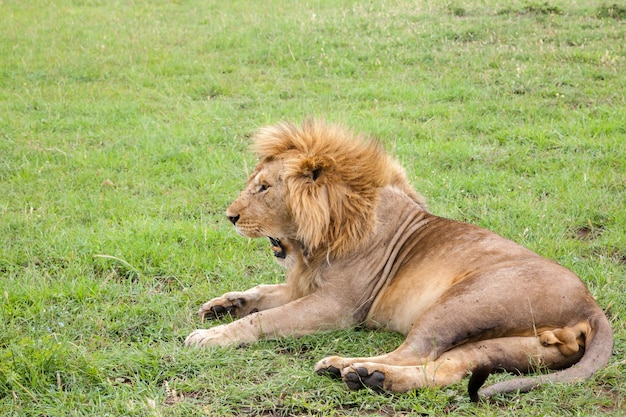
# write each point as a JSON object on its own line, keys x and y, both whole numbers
{"x": 215, "y": 336}
{"x": 330, "y": 366}
{"x": 358, "y": 376}
{"x": 230, "y": 304}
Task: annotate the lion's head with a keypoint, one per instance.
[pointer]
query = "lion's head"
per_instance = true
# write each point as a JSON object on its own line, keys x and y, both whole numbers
{"x": 317, "y": 185}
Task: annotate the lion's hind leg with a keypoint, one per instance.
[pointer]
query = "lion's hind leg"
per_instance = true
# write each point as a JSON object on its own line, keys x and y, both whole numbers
{"x": 397, "y": 371}
{"x": 514, "y": 354}
{"x": 334, "y": 365}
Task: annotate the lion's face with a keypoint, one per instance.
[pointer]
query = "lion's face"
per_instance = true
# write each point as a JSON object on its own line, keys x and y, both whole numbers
{"x": 316, "y": 188}
{"x": 260, "y": 210}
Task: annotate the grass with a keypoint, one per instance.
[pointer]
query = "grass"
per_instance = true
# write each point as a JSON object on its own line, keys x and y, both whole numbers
{"x": 123, "y": 137}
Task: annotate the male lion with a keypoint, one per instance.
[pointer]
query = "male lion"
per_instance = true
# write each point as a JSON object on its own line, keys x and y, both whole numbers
{"x": 360, "y": 247}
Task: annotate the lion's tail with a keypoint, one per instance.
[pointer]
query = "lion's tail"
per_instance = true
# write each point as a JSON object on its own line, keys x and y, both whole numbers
{"x": 598, "y": 350}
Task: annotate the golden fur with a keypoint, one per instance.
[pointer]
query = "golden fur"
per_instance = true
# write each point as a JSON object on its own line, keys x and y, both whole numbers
{"x": 359, "y": 246}
{"x": 333, "y": 182}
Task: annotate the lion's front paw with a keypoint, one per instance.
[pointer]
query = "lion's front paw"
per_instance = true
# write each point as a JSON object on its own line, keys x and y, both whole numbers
{"x": 230, "y": 304}
{"x": 216, "y": 336}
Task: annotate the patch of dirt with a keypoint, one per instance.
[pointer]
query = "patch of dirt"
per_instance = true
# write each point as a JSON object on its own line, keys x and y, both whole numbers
{"x": 588, "y": 232}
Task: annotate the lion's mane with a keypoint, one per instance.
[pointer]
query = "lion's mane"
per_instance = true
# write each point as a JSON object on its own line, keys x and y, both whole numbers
{"x": 333, "y": 180}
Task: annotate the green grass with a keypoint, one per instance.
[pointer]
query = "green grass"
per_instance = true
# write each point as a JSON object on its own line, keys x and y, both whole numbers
{"x": 123, "y": 137}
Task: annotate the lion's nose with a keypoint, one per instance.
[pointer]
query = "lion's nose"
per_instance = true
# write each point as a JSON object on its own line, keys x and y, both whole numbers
{"x": 233, "y": 219}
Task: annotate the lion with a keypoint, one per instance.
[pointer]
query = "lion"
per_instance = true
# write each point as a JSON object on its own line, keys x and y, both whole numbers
{"x": 361, "y": 248}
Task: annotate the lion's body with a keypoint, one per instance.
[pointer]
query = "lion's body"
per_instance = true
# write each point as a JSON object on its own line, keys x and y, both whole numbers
{"x": 360, "y": 247}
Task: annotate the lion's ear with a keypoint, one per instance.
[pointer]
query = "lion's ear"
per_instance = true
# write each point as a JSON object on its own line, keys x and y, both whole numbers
{"x": 314, "y": 167}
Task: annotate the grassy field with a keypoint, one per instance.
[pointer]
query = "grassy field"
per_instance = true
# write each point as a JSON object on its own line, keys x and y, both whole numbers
{"x": 123, "y": 136}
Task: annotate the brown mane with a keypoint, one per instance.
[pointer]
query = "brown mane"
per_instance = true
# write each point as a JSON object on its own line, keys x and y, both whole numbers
{"x": 333, "y": 181}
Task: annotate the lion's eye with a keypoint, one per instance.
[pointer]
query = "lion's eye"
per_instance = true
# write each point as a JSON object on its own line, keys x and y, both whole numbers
{"x": 263, "y": 188}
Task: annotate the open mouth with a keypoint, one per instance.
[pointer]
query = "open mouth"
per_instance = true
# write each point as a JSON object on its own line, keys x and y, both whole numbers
{"x": 277, "y": 248}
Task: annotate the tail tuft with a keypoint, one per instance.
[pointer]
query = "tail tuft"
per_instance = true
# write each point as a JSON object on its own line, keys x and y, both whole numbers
{"x": 478, "y": 378}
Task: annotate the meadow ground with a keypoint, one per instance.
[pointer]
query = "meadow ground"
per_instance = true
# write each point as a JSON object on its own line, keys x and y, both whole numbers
{"x": 123, "y": 136}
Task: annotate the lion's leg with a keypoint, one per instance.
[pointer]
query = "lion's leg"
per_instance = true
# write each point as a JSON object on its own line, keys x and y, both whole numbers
{"x": 485, "y": 307}
{"x": 400, "y": 366}
{"x": 515, "y": 354}
{"x": 242, "y": 303}
{"x": 306, "y": 315}
{"x": 334, "y": 365}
